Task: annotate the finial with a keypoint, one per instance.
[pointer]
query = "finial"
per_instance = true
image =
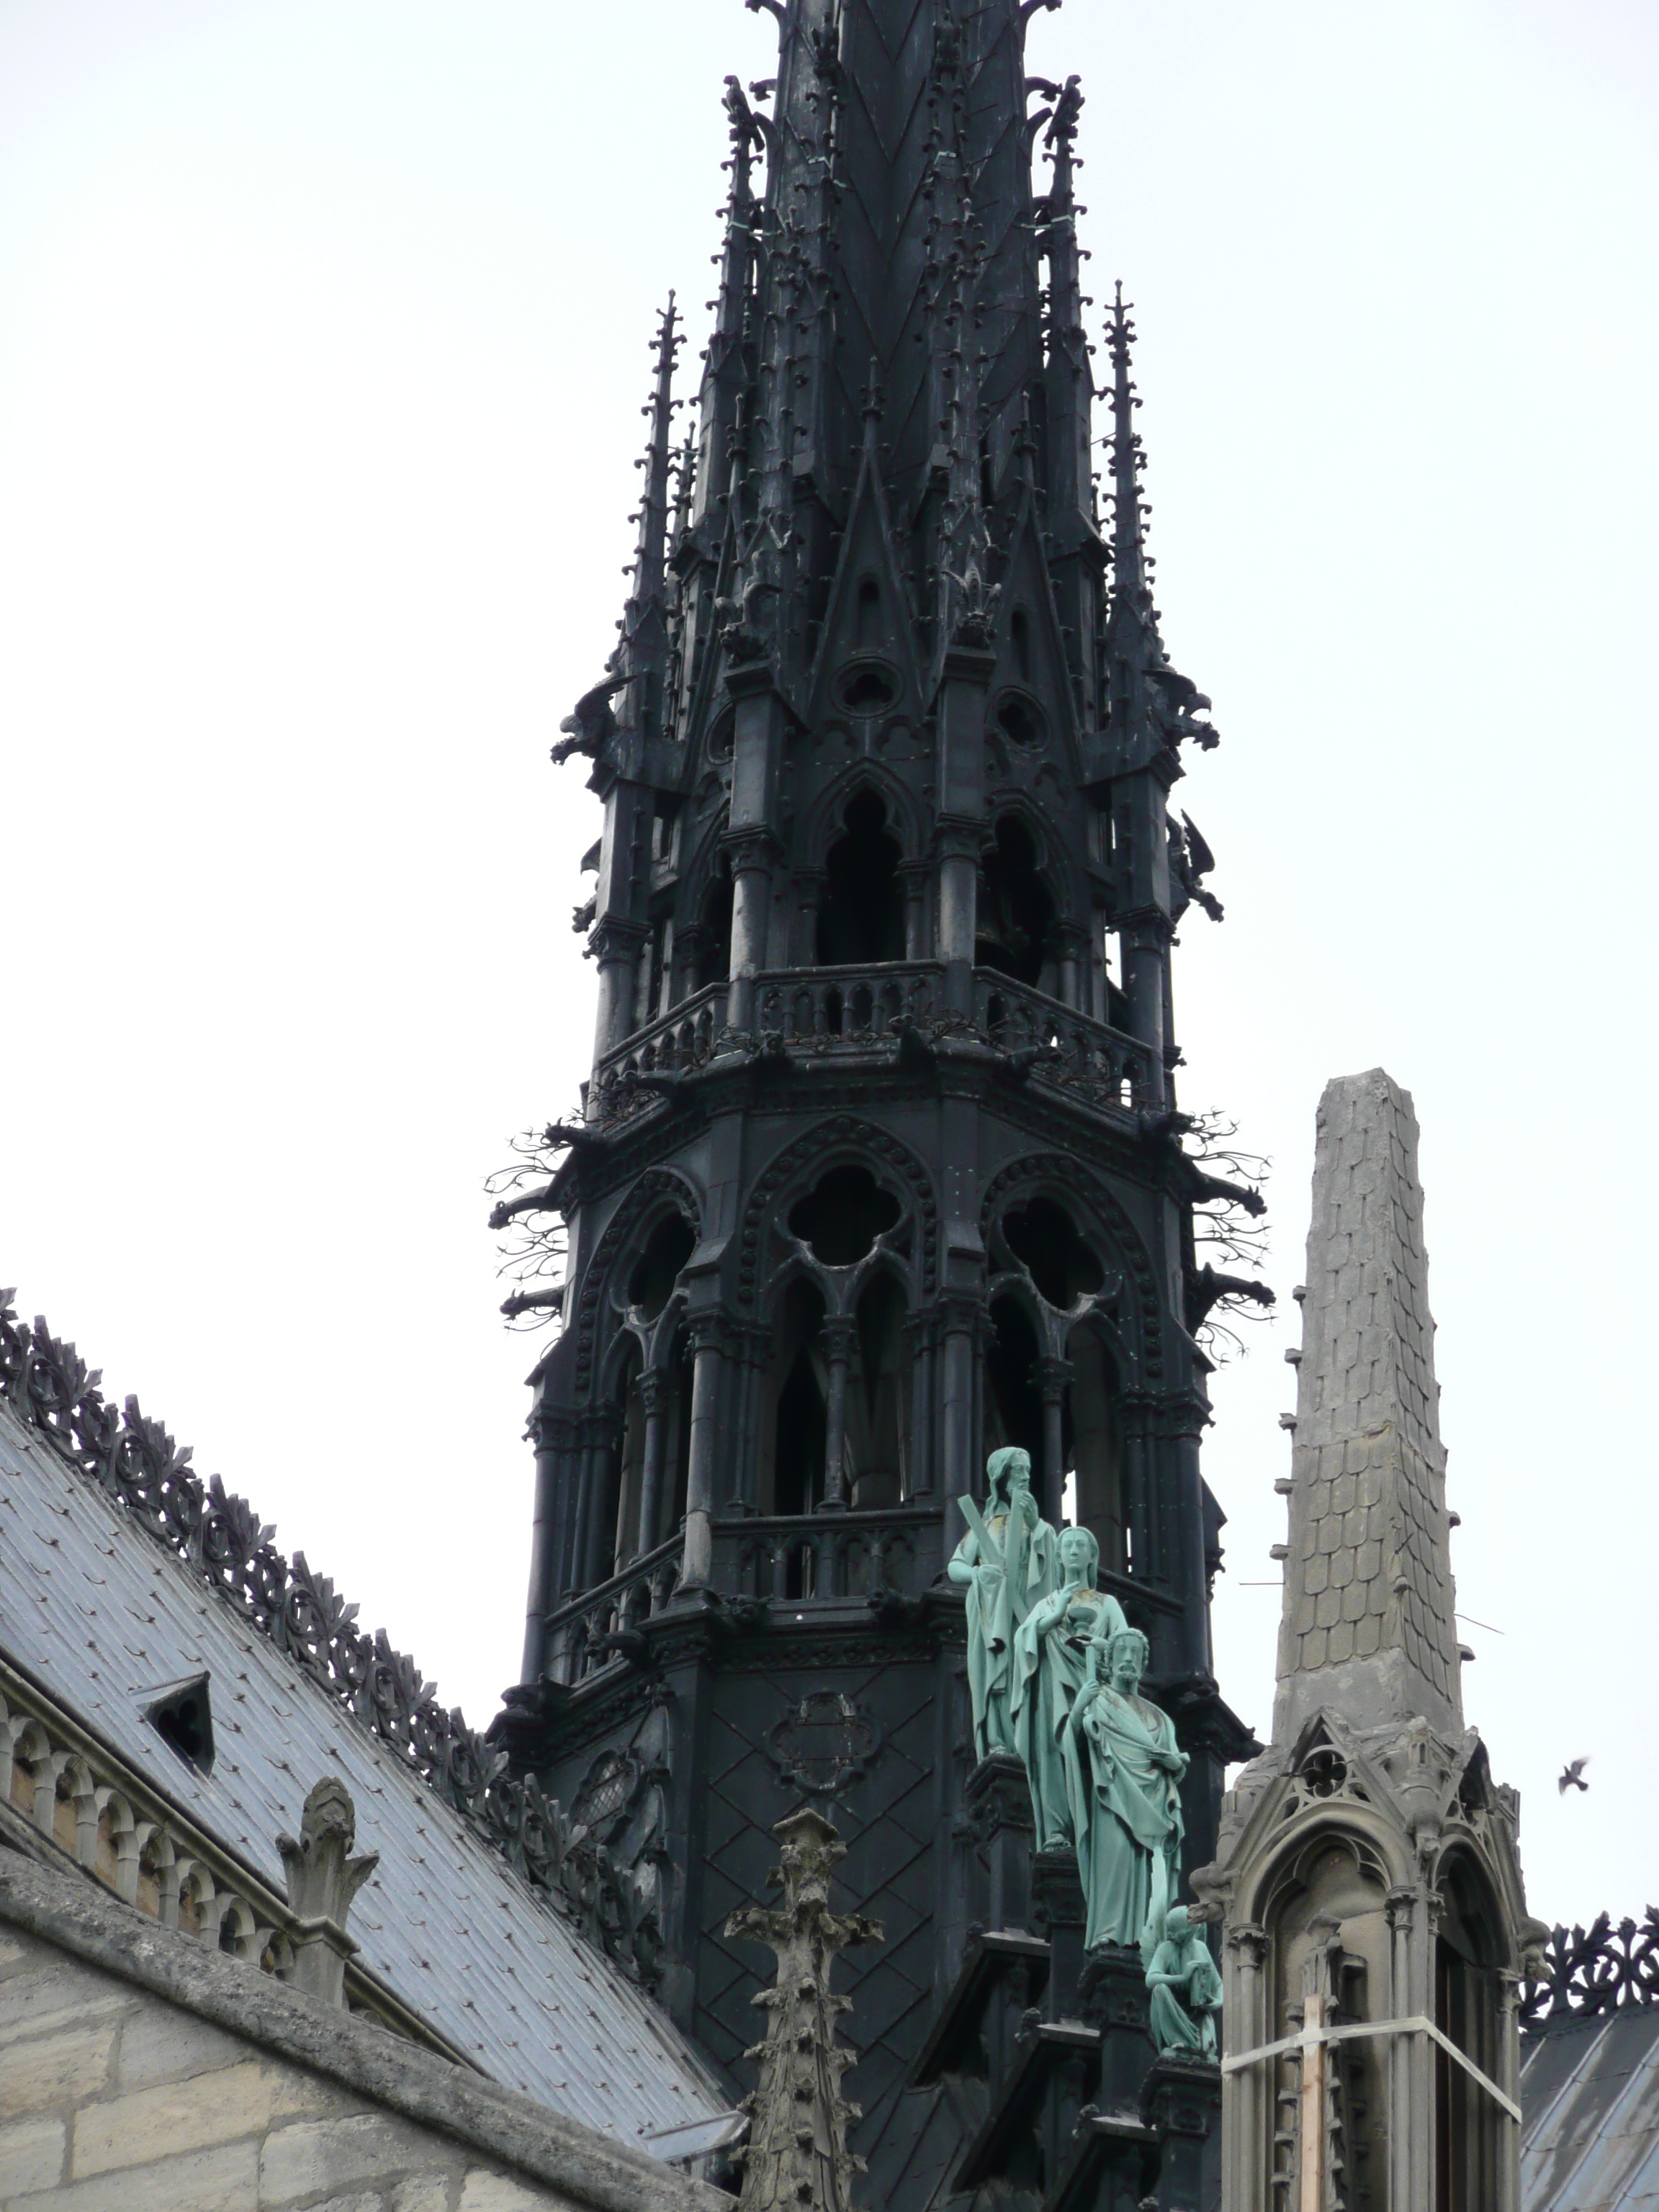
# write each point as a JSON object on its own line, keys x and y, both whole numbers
{"x": 1129, "y": 539}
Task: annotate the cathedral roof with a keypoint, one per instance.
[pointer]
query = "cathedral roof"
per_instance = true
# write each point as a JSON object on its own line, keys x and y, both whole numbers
{"x": 105, "y": 1616}
{"x": 1590, "y": 2088}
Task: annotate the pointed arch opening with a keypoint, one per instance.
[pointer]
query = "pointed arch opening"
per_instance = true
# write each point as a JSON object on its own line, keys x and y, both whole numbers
{"x": 617, "y": 1474}
{"x": 715, "y": 924}
{"x": 879, "y": 1398}
{"x": 1092, "y": 1448}
{"x": 1016, "y": 908}
{"x": 1468, "y": 1960}
{"x": 1012, "y": 1386}
{"x": 799, "y": 1410}
{"x": 861, "y": 917}
{"x": 651, "y": 1280}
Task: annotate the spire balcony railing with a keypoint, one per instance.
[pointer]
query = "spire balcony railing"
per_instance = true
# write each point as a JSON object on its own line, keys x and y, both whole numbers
{"x": 822, "y": 1008}
{"x": 681, "y": 1039}
{"x": 592, "y": 1632}
{"x": 1102, "y": 1062}
{"x": 782, "y": 1558}
{"x": 849, "y": 1009}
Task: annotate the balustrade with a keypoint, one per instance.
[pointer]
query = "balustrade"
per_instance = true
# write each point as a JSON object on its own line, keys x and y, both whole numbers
{"x": 828, "y": 1555}
{"x": 1113, "y": 1068}
{"x": 822, "y": 1008}
{"x": 588, "y": 1633}
{"x": 681, "y": 1039}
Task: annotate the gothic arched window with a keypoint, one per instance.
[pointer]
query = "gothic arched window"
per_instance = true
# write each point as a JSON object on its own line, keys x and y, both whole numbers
{"x": 1016, "y": 908}
{"x": 862, "y": 919}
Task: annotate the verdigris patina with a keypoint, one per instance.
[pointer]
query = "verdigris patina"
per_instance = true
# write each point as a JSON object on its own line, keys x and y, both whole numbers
{"x": 1050, "y": 1653}
{"x": 1186, "y": 1986}
{"x": 1006, "y": 1563}
{"x": 1123, "y": 1770}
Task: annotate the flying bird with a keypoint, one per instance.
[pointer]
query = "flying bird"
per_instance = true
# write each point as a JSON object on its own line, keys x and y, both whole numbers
{"x": 1572, "y": 1776}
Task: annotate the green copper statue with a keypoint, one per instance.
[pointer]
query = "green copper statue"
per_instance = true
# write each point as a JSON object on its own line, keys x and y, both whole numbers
{"x": 1050, "y": 1650}
{"x": 1185, "y": 1987}
{"x": 1006, "y": 1563}
{"x": 1123, "y": 1770}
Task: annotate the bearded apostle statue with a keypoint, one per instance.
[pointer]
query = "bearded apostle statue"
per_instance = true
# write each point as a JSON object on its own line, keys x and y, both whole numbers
{"x": 1005, "y": 1564}
{"x": 1051, "y": 1658}
{"x": 1123, "y": 1772}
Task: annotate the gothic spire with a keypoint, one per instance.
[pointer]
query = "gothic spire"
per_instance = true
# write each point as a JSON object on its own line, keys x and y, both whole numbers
{"x": 651, "y": 546}
{"x": 1131, "y": 586}
{"x": 644, "y": 650}
{"x": 1070, "y": 385}
{"x": 723, "y": 377}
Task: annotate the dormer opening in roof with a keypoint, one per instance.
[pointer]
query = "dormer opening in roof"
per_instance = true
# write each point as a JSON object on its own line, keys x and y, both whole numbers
{"x": 181, "y": 1714}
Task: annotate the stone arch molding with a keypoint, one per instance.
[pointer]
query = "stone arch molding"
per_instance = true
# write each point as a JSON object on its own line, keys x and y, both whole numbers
{"x": 824, "y": 819}
{"x": 655, "y": 1185}
{"x": 844, "y": 1136}
{"x": 1141, "y": 1314}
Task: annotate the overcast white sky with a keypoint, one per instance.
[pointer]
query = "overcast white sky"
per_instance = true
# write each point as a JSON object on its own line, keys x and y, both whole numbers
{"x": 323, "y": 331}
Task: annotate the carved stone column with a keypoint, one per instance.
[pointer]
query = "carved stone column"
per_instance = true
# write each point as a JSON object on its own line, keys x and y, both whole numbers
{"x": 1246, "y": 2096}
{"x": 654, "y": 1396}
{"x": 961, "y": 1317}
{"x": 838, "y": 1337}
{"x": 913, "y": 879}
{"x": 616, "y": 945}
{"x": 707, "y": 1333}
{"x": 1053, "y": 1376}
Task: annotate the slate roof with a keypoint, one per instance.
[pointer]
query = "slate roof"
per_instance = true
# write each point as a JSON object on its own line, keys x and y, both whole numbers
{"x": 1589, "y": 2089}
{"x": 104, "y": 1616}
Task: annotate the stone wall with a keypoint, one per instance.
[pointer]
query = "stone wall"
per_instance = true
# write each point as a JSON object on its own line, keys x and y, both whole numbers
{"x": 140, "y": 2071}
{"x": 112, "y": 2100}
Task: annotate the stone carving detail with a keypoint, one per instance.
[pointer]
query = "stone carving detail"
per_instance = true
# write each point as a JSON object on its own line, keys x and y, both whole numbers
{"x": 134, "y": 1462}
{"x": 1600, "y": 1969}
{"x": 797, "y": 2151}
{"x": 825, "y": 1744}
{"x": 323, "y": 1878}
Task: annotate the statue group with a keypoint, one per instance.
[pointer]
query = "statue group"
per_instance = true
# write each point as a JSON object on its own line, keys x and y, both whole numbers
{"x": 1054, "y": 1674}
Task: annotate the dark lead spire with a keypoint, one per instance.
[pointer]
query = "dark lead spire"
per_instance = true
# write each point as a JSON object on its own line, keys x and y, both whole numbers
{"x": 875, "y": 1172}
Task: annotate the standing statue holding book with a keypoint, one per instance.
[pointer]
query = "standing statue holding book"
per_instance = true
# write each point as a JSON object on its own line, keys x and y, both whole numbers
{"x": 1005, "y": 1564}
{"x": 1050, "y": 1659}
{"x": 1123, "y": 1770}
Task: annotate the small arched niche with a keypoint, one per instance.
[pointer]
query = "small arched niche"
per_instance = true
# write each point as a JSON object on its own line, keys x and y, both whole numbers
{"x": 861, "y": 915}
{"x": 841, "y": 1216}
{"x": 1015, "y": 919}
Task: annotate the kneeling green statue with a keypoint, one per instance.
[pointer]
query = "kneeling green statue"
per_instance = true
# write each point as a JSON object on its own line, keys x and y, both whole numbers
{"x": 1185, "y": 1987}
{"x": 1123, "y": 1774}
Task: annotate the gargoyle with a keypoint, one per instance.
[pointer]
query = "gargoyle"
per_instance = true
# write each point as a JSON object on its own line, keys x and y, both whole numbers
{"x": 590, "y": 722}
{"x": 1190, "y": 861}
{"x": 1208, "y": 1286}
